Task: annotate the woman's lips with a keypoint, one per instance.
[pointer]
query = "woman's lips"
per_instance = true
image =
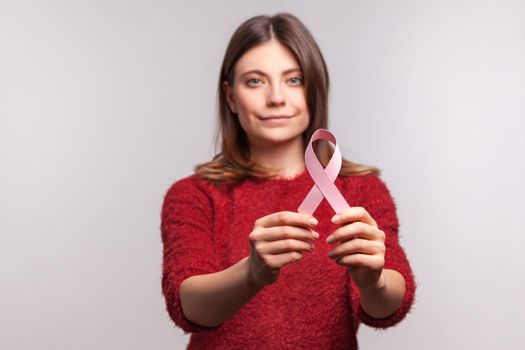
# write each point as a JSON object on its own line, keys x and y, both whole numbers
{"x": 275, "y": 117}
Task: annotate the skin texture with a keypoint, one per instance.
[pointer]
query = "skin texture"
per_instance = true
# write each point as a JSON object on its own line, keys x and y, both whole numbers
{"x": 278, "y": 239}
{"x": 362, "y": 251}
{"x": 271, "y": 91}
{"x": 281, "y": 238}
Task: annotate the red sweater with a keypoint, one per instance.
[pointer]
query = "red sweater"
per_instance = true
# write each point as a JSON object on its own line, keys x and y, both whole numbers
{"x": 314, "y": 304}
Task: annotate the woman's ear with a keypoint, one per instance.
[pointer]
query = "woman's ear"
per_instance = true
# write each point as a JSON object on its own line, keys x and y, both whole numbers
{"x": 229, "y": 96}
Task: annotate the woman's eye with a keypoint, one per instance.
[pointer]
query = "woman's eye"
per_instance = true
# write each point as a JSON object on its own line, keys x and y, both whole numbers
{"x": 253, "y": 81}
{"x": 296, "y": 80}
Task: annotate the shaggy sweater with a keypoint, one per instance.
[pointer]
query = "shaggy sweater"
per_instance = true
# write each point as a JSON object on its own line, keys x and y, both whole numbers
{"x": 314, "y": 304}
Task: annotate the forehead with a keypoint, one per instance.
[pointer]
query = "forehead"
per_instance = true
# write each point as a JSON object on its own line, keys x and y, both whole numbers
{"x": 271, "y": 57}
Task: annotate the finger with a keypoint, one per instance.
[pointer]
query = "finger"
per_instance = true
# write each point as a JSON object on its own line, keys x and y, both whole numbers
{"x": 286, "y": 218}
{"x": 284, "y": 246}
{"x": 354, "y": 214}
{"x": 283, "y": 232}
{"x": 357, "y": 246}
{"x": 356, "y": 230}
{"x": 279, "y": 260}
{"x": 373, "y": 262}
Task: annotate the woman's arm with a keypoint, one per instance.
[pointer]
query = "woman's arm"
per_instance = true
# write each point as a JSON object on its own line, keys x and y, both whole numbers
{"x": 384, "y": 306}
{"x": 384, "y": 300}
{"x": 211, "y": 299}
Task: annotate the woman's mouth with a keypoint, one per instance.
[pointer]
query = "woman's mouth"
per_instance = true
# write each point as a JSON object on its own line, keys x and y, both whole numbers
{"x": 273, "y": 117}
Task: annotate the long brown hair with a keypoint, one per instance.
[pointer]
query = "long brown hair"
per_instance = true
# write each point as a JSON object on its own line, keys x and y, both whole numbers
{"x": 233, "y": 163}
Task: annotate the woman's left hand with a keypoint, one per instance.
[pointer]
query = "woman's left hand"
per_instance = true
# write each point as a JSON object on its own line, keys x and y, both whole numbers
{"x": 362, "y": 248}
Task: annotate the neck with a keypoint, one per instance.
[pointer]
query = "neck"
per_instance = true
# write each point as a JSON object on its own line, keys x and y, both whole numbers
{"x": 286, "y": 159}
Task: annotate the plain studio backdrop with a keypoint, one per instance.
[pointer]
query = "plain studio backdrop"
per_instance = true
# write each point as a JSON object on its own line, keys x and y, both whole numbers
{"x": 104, "y": 104}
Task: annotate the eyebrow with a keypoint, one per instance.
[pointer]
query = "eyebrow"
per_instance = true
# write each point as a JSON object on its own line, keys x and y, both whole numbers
{"x": 257, "y": 71}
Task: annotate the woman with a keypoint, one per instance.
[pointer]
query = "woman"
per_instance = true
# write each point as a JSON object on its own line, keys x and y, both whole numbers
{"x": 240, "y": 269}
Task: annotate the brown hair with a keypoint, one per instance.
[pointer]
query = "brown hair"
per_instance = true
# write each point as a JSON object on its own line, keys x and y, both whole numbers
{"x": 233, "y": 163}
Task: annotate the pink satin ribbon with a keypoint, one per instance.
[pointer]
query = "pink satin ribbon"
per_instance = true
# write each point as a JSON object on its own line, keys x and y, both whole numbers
{"x": 324, "y": 179}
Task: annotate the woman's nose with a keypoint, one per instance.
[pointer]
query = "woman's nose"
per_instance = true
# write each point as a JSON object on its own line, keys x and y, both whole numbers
{"x": 275, "y": 95}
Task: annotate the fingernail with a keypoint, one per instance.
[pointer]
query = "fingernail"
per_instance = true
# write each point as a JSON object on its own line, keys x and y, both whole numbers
{"x": 313, "y": 221}
{"x": 336, "y": 218}
{"x": 316, "y": 235}
{"x": 330, "y": 239}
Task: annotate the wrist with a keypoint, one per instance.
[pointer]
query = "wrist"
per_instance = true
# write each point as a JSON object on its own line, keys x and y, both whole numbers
{"x": 377, "y": 287}
{"x": 249, "y": 277}
{"x": 385, "y": 297}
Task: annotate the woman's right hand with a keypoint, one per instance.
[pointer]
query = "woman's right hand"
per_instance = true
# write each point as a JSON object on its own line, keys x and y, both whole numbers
{"x": 276, "y": 240}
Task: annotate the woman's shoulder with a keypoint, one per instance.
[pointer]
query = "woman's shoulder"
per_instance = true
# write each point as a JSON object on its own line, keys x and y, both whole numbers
{"x": 193, "y": 184}
{"x": 368, "y": 179}
{"x": 186, "y": 183}
{"x": 370, "y": 186}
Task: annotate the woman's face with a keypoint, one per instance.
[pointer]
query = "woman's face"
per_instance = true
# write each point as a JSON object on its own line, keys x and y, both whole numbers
{"x": 268, "y": 83}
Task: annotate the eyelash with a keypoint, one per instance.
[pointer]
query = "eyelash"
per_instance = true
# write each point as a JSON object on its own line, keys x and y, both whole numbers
{"x": 298, "y": 78}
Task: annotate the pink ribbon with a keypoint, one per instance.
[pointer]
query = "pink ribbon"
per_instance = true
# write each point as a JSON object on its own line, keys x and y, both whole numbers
{"x": 323, "y": 178}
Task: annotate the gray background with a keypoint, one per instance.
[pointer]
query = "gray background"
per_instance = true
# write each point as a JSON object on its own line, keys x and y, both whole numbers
{"x": 104, "y": 104}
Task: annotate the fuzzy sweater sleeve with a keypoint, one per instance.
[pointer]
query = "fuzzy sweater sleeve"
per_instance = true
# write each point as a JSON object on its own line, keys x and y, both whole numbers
{"x": 188, "y": 250}
{"x": 377, "y": 200}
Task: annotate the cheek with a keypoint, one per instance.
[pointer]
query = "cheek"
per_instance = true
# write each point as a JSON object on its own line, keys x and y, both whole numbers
{"x": 249, "y": 100}
{"x": 247, "y": 105}
{"x": 299, "y": 99}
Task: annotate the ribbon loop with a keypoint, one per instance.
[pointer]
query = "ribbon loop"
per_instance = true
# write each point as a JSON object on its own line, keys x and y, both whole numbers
{"x": 323, "y": 178}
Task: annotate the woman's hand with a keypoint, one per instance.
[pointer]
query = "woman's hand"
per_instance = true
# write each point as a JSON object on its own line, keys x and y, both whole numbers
{"x": 276, "y": 240}
{"x": 362, "y": 248}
